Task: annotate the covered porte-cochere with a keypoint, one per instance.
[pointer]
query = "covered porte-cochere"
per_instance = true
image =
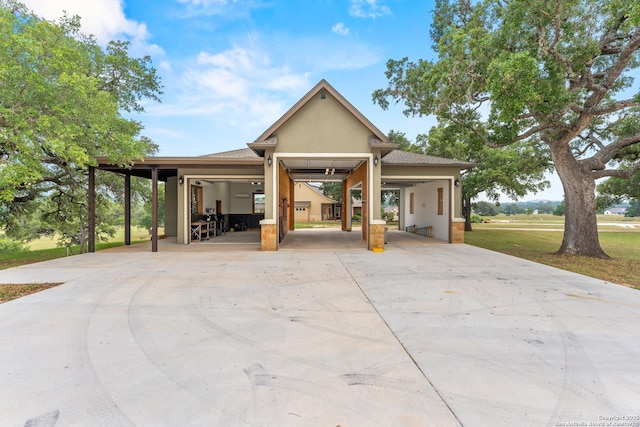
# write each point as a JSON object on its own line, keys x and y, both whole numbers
{"x": 322, "y": 138}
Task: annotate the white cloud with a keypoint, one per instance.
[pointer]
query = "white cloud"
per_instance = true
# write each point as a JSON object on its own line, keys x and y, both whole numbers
{"x": 105, "y": 19}
{"x": 368, "y": 9}
{"x": 239, "y": 87}
{"x": 339, "y": 28}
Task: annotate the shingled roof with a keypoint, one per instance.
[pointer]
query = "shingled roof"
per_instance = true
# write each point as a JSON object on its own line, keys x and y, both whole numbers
{"x": 242, "y": 153}
{"x": 405, "y": 158}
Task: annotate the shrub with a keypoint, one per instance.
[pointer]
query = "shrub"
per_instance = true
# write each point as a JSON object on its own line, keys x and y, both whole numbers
{"x": 8, "y": 246}
{"x": 476, "y": 219}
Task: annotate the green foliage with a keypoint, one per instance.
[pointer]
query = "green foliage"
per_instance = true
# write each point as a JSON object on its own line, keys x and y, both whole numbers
{"x": 615, "y": 190}
{"x": 511, "y": 209}
{"x": 514, "y": 170}
{"x": 536, "y": 78}
{"x": 476, "y": 219}
{"x": 633, "y": 210}
{"x": 11, "y": 246}
{"x": 561, "y": 209}
{"x": 61, "y": 97}
{"x": 333, "y": 190}
{"x": 485, "y": 209}
{"x": 403, "y": 142}
{"x": 144, "y": 220}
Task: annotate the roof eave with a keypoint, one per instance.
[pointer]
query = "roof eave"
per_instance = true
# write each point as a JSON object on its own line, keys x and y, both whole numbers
{"x": 103, "y": 162}
{"x": 460, "y": 165}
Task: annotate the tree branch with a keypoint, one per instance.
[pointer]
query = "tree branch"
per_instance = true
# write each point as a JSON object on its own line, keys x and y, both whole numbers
{"x": 613, "y": 72}
{"x": 609, "y": 152}
{"x": 620, "y": 173}
{"x": 612, "y": 108}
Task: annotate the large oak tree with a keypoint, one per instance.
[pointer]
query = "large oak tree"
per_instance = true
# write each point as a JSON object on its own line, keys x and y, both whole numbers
{"x": 559, "y": 71}
{"x": 62, "y": 103}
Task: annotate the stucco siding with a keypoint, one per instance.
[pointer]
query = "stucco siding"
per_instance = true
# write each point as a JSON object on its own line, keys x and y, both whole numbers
{"x": 323, "y": 126}
{"x": 425, "y": 204}
{"x": 171, "y": 207}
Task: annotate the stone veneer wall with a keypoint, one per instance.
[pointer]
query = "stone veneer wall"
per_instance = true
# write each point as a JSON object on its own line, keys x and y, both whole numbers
{"x": 457, "y": 232}
{"x": 269, "y": 237}
{"x": 376, "y": 236}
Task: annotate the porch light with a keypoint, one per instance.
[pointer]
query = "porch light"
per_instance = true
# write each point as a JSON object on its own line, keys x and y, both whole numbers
{"x": 456, "y": 182}
{"x": 375, "y": 160}
{"x": 181, "y": 180}
{"x": 269, "y": 160}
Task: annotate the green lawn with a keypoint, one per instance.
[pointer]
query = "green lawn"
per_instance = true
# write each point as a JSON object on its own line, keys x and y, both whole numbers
{"x": 540, "y": 246}
{"x": 50, "y": 242}
{"x": 14, "y": 259}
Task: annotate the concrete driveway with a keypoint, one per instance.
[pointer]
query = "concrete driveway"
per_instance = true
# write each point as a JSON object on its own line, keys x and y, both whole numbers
{"x": 419, "y": 335}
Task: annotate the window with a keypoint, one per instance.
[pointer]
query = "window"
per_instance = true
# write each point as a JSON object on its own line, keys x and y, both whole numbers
{"x": 411, "y": 203}
{"x": 258, "y": 203}
{"x": 196, "y": 199}
{"x": 440, "y": 201}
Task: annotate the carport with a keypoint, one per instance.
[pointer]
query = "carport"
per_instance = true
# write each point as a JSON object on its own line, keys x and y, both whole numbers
{"x": 322, "y": 137}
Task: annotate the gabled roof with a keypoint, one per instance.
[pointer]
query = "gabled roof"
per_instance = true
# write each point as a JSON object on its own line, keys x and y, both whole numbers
{"x": 242, "y": 153}
{"x": 405, "y": 158}
{"x": 323, "y": 85}
{"x": 319, "y": 192}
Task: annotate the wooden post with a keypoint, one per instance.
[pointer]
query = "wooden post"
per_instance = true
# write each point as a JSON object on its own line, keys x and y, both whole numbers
{"x": 92, "y": 210}
{"x": 154, "y": 209}
{"x": 345, "y": 205}
{"x": 292, "y": 205}
{"x": 127, "y": 209}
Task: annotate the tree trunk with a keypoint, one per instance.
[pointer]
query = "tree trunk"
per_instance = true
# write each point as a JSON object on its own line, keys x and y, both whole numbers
{"x": 466, "y": 212}
{"x": 580, "y": 222}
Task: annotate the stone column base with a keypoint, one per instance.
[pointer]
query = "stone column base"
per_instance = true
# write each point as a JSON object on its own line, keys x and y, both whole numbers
{"x": 269, "y": 237}
{"x": 376, "y": 236}
{"x": 457, "y": 231}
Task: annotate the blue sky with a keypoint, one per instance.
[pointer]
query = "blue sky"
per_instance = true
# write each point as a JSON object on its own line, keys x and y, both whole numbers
{"x": 230, "y": 68}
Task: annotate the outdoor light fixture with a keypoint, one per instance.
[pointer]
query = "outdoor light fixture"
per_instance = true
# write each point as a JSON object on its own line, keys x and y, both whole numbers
{"x": 375, "y": 160}
{"x": 269, "y": 160}
{"x": 456, "y": 182}
{"x": 181, "y": 180}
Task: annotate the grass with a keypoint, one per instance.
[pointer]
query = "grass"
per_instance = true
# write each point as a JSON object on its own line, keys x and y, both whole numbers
{"x": 540, "y": 246}
{"x": 50, "y": 242}
{"x": 317, "y": 224}
{"x": 14, "y": 259}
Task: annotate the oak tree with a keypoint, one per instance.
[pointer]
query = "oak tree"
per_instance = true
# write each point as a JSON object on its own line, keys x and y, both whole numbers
{"x": 63, "y": 101}
{"x": 559, "y": 71}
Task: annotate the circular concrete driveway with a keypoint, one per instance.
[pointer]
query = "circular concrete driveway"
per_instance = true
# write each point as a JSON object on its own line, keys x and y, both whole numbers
{"x": 417, "y": 335}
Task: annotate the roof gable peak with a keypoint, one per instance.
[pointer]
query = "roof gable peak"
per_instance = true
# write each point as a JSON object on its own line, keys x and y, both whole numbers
{"x": 322, "y": 88}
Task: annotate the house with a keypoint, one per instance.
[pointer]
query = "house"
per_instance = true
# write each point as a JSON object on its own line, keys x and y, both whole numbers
{"x": 311, "y": 205}
{"x": 322, "y": 137}
{"x": 615, "y": 211}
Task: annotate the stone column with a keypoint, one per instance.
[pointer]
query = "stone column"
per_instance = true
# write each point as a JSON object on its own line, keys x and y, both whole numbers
{"x": 376, "y": 235}
{"x": 457, "y": 230}
{"x": 268, "y": 235}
